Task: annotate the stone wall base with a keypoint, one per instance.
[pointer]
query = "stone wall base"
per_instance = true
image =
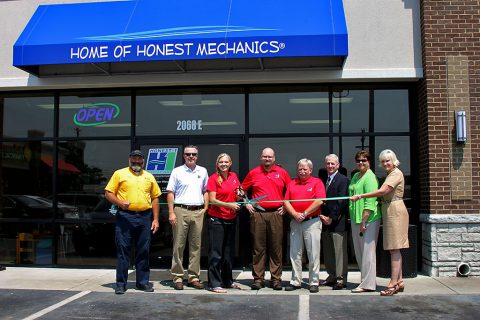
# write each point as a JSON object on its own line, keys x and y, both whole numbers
{"x": 447, "y": 241}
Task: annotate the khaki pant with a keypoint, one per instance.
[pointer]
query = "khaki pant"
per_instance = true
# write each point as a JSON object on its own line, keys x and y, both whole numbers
{"x": 189, "y": 224}
{"x": 366, "y": 253}
{"x": 305, "y": 235}
{"x": 267, "y": 236}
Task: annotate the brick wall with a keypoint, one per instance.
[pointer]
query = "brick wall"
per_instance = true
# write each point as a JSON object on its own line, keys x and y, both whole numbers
{"x": 451, "y": 45}
{"x": 449, "y": 171}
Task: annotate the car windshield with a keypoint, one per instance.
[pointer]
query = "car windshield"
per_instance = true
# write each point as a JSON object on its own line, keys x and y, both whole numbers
{"x": 34, "y": 201}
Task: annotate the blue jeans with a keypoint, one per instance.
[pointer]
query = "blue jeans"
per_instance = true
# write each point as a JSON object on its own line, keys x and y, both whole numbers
{"x": 131, "y": 227}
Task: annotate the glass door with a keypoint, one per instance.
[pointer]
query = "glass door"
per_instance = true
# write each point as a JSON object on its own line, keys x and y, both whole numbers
{"x": 161, "y": 156}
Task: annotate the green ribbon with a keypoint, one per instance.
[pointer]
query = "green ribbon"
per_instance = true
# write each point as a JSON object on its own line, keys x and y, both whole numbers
{"x": 264, "y": 201}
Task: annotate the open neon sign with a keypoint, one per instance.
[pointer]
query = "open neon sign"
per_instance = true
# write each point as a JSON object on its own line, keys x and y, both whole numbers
{"x": 96, "y": 114}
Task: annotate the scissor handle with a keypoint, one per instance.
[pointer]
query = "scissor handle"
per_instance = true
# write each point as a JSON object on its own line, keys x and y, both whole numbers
{"x": 240, "y": 192}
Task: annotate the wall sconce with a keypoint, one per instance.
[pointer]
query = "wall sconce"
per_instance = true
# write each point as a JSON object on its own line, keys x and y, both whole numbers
{"x": 461, "y": 124}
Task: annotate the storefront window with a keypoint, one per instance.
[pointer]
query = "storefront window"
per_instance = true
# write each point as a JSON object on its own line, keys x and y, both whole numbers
{"x": 293, "y": 112}
{"x": 26, "y": 172}
{"x": 391, "y": 111}
{"x": 350, "y": 111}
{"x": 90, "y": 236}
{"x": 26, "y": 242}
{"x": 91, "y": 115}
{"x": 289, "y": 150}
{"x": 86, "y": 166}
{"x": 26, "y": 117}
{"x": 95, "y": 137}
{"x": 26, "y": 210}
{"x": 346, "y": 147}
{"x": 190, "y": 114}
{"x": 401, "y": 147}
{"x": 86, "y": 243}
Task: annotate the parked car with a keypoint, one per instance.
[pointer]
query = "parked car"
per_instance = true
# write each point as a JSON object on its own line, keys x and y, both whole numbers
{"x": 91, "y": 206}
{"x": 94, "y": 233}
{"x": 34, "y": 207}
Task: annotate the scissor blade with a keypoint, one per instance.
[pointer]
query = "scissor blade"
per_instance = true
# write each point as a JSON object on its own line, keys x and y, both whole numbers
{"x": 257, "y": 199}
{"x": 257, "y": 206}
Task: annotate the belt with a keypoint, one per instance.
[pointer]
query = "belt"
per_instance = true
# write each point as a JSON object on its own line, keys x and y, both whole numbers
{"x": 189, "y": 207}
{"x": 270, "y": 209}
{"x": 309, "y": 218}
{"x": 389, "y": 201}
{"x": 137, "y": 212}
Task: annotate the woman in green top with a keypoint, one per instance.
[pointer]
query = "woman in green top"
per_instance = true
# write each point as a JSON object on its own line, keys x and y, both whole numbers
{"x": 365, "y": 219}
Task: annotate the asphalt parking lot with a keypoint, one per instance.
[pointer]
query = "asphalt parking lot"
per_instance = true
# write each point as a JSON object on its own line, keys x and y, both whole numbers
{"x": 36, "y": 293}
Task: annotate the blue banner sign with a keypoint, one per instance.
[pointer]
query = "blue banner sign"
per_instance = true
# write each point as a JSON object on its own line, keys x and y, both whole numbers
{"x": 147, "y": 30}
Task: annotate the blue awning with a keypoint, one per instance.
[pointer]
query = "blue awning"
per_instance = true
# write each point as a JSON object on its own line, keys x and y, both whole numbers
{"x": 108, "y": 33}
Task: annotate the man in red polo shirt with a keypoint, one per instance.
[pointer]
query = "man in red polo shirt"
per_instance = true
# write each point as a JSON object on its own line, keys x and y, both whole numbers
{"x": 305, "y": 226}
{"x": 266, "y": 226}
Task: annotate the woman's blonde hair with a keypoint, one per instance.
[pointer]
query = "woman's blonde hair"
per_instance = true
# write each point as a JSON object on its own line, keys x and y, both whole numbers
{"x": 221, "y": 155}
{"x": 388, "y": 154}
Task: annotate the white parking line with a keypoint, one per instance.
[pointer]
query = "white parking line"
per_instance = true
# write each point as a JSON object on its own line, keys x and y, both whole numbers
{"x": 303, "y": 307}
{"x": 56, "y": 306}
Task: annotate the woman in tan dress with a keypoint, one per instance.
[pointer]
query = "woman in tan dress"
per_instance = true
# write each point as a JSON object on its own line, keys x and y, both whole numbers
{"x": 395, "y": 217}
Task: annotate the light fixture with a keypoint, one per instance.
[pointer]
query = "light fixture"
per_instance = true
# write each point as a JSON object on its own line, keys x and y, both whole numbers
{"x": 313, "y": 121}
{"x": 114, "y": 125}
{"x": 64, "y": 105}
{"x": 219, "y": 123}
{"x": 461, "y": 124}
{"x": 180, "y": 103}
{"x": 318, "y": 100}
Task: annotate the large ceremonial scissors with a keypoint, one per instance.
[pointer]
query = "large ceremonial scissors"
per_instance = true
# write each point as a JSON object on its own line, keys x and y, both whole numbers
{"x": 254, "y": 201}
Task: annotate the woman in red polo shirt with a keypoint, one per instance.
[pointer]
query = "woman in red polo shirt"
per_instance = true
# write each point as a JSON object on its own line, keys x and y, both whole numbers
{"x": 222, "y": 220}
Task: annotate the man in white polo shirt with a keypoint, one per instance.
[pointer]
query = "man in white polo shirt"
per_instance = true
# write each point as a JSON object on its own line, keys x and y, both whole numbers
{"x": 187, "y": 203}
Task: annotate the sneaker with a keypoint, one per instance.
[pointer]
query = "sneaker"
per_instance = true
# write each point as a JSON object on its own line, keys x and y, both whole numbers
{"x": 145, "y": 288}
{"x": 120, "y": 290}
{"x": 257, "y": 285}
{"x": 313, "y": 289}
{"x": 291, "y": 287}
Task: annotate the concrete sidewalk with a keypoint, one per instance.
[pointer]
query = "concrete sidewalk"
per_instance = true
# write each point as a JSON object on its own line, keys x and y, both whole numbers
{"x": 102, "y": 280}
{"x": 59, "y": 293}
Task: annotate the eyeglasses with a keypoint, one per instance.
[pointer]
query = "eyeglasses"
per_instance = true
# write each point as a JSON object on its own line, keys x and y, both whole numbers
{"x": 190, "y": 154}
{"x": 361, "y": 160}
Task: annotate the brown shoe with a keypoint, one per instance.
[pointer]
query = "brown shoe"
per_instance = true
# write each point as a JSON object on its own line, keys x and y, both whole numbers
{"x": 276, "y": 285}
{"x": 196, "y": 284}
{"x": 257, "y": 285}
{"x": 178, "y": 285}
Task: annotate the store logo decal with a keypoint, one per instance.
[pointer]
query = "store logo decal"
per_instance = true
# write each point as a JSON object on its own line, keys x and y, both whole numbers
{"x": 161, "y": 160}
{"x": 96, "y": 114}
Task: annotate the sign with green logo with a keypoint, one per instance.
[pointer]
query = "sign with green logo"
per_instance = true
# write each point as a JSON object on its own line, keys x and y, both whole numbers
{"x": 161, "y": 160}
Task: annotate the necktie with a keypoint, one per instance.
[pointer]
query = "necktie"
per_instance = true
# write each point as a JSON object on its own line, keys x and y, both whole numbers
{"x": 328, "y": 181}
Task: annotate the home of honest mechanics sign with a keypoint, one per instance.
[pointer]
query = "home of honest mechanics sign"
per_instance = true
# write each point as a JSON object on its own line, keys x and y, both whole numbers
{"x": 182, "y": 50}
{"x": 147, "y": 30}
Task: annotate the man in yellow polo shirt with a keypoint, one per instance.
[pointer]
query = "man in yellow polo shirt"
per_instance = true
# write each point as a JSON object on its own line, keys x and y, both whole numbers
{"x": 135, "y": 192}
